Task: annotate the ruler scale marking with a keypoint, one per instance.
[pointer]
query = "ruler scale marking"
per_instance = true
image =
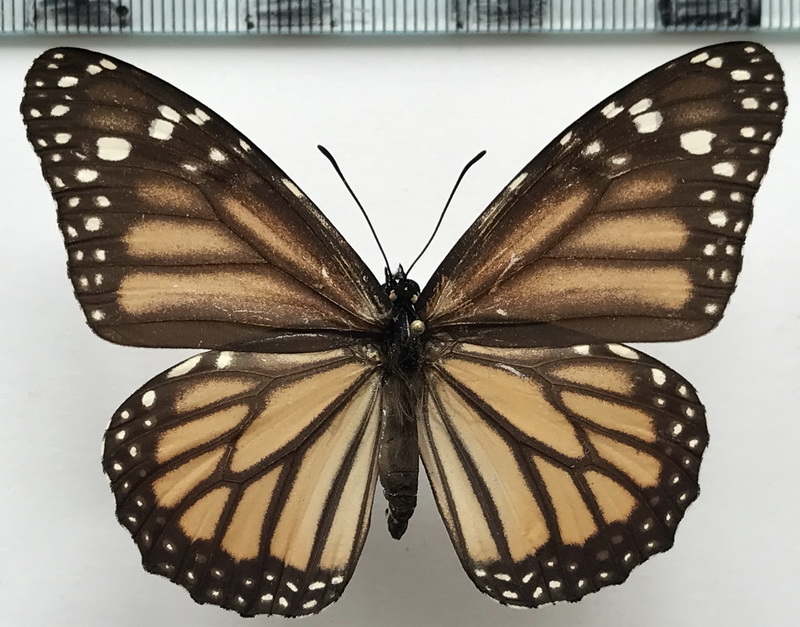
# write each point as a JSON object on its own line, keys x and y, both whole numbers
{"x": 393, "y": 16}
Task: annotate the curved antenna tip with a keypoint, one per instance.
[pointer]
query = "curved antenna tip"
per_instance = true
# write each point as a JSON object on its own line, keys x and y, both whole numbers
{"x": 471, "y": 162}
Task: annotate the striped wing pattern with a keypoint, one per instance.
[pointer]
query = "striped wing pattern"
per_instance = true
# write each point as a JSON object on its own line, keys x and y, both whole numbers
{"x": 179, "y": 232}
{"x": 629, "y": 226}
{"x": 558, "y": 470}
{"x": 248, "y": 478}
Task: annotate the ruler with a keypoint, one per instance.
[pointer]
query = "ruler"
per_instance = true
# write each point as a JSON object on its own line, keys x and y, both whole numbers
{"x": 393, "y": 16}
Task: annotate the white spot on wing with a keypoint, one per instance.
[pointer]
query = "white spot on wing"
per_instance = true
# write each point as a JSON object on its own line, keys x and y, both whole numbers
{"x": 517, "y": 181}
{"x": 113, "y": 148}
{"x": 183, "y": 368}
{"x": 699, "y": 58}
{"x": 93, "y": 224}
{"x": 58, "y": 110}
{"x": 62, "y": 138}
{"x": 718, "y": 218}
{"x": 724, "y": 168}
{"x": 85, "y": 175}
{"x": 109, "y": 65}
{"x": 293, "y": 188}
{"x": 658, "y": 376}
{"x": 224, "y": 359}
{"x": 640, "y": 107}
{"x": 169, "y": 113}
{"x": 67, "y": 81}
{"x": 612, "y": 110}
{"x": 623, "y": 351}
{"x": 593, "y": 148}
{"x": 161, "y": 129}
{"x": 148, "y": 398}
{"x": 648, "y": 122}
{"x": 740, "y": 75}
{"x": 697, "y": 142}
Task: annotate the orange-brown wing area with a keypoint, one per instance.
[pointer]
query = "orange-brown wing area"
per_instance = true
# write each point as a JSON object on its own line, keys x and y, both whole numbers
{"x": 247, "y": 478}
{"x": 558, "y": 470}
{"x": 629, "y": 226}
{"x": 180, "y": 232}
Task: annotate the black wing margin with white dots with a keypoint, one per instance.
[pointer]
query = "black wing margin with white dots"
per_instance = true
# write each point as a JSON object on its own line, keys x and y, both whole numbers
{"x": 179, "y": 232}
{"x": 248, "y": 478}
{"x": 629, "y": 226}
{"x": 558, "y": 470}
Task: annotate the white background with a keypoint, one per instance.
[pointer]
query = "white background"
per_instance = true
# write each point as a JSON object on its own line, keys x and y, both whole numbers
{"x": 402, "y": 115}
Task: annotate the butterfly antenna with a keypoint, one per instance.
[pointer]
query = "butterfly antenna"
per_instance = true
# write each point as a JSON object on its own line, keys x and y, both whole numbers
{"x": 336, "y": 167}
{"x": 472, "y": 162}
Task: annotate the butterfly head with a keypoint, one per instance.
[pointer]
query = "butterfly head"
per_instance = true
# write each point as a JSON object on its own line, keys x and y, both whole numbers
{"x": 400, "y": 288}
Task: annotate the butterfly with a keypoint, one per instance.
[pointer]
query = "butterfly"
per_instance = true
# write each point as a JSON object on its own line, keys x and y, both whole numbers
{"x": 560, "y": 458}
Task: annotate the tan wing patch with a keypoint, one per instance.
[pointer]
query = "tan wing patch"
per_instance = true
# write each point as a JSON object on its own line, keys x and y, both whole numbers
{"x": 178, "y": 241}
{"x": 195, "y": 433}
{"x": 520, "y": 402}
{"x": 616, "y": 503}
{"x": 173, "y": 487}
{"x": 248, "y": 477}
{"x": 242, "y": 539}
{"x": 200, "y": 521}
{"x": 461, "y": 505}
{"x": 564, "y": 288}
{"x": 611, "y": 415}
{"x": 628, "y": 234}
{"x": 573, "y": 517}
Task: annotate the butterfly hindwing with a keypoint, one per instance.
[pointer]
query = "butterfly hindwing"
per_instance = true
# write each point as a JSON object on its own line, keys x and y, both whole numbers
{"x": 629, "y": 226}
{"x": 179, "y": 231}
{"x": 558, "y": 470}
{"x": 248, "y": 478}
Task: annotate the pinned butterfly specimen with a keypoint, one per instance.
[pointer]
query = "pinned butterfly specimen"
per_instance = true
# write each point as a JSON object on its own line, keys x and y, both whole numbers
{"x": 560, "y": 458}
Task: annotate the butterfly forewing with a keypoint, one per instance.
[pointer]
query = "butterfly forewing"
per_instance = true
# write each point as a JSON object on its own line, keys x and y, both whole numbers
{"x": 179, "y": 231}
{"x": 558, "y": 470}
{"x": 248, "y": 478}
{"x": 630, "y": 225}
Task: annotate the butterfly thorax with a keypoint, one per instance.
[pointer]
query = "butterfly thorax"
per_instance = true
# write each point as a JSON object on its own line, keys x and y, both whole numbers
{"x": 403, "y": 342}
{"x": 402, "y": 348}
